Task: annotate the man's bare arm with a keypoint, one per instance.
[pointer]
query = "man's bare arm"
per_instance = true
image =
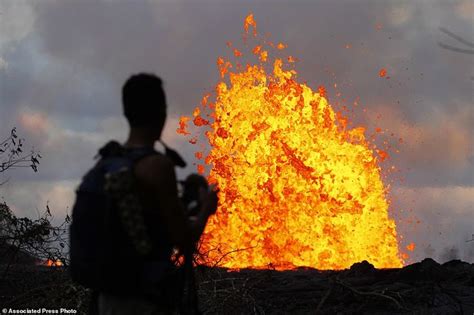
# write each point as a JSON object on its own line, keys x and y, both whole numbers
{"x": 158, "y": 176}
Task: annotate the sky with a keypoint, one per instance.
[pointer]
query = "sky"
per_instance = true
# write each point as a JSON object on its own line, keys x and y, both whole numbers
{"x": 63, "y": 64}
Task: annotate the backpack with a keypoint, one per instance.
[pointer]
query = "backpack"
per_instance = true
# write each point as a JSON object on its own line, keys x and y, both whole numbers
{"x": 109, "y": 242}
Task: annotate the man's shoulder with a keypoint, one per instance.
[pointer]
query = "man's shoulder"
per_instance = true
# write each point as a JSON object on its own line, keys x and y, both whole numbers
{"x": 154, "y": 164}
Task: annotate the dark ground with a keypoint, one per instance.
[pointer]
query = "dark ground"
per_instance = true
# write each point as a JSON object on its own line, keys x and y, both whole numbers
{"x": 422, "y": 288}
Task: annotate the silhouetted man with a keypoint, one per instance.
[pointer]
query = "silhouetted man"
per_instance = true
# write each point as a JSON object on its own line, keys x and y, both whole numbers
{"x": 132, "y": 245}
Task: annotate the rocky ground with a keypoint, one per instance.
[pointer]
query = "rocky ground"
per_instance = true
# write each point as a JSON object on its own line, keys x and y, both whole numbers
{"x": 421, "y": 288}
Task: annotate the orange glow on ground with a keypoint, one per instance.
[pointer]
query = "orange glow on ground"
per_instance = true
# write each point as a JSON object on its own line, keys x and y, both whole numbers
{"x": 53, "y": 263}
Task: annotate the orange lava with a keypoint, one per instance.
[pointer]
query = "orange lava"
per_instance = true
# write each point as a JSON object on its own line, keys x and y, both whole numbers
{"x": 182, "y": 126}
{"x": 53, "y": 263}
{"x": 411, "y": 247}
{"x": 297, "y": 186}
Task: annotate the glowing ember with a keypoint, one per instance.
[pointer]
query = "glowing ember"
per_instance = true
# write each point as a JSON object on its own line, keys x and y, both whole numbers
{"x": 411, "y": 247}
{"x": 182, "y": 126}
{"x": 53, "y": 263}
{"x": 297, "y": 187}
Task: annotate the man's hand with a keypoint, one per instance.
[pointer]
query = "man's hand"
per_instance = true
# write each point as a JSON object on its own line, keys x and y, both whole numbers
{"x": 209, "y": 199}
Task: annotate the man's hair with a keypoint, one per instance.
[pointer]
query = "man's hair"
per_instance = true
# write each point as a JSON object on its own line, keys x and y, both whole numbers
{"x": 144, "y": 101}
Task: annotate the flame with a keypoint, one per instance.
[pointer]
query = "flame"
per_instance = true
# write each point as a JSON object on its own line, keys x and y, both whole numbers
{"x": 411, "y": 247}
{"x": 53, "y": 263}
{"x": 182, "y": 126}
{"x": 297, "y": 187}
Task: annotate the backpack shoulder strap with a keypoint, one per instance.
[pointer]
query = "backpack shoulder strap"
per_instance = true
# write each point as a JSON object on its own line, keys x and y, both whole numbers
{"x": 116, "y": 151}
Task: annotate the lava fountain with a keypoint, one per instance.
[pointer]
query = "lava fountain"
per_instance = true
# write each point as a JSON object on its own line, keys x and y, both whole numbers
{"x": 297, "y": 186}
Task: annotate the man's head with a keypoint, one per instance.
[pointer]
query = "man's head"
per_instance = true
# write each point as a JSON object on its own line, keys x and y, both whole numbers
{"x": 144, "y": 102}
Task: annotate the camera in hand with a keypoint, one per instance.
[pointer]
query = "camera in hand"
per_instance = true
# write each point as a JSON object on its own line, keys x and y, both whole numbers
{"x": 194, "y": 188}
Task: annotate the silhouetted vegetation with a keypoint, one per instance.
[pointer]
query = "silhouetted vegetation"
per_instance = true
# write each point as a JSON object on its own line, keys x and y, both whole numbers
{"x": 25, "y": 240}
{"x": 33, "y": 252}
{"x": 37, "y": 239}
{"x": 12, "y": 154}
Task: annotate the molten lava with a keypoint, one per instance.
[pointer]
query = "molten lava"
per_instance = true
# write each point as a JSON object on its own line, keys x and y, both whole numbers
{"x": 297, "y": 186}
{"x": 53, "y": 263}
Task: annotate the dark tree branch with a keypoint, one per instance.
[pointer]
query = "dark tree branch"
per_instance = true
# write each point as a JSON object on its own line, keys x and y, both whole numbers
{"x": 12, "y": 156}
{"x": 457, "y": 37}
{"x": 455, "y": 49}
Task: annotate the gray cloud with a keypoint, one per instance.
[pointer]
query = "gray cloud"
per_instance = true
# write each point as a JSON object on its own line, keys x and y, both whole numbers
{"x": 435, "y": 218}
